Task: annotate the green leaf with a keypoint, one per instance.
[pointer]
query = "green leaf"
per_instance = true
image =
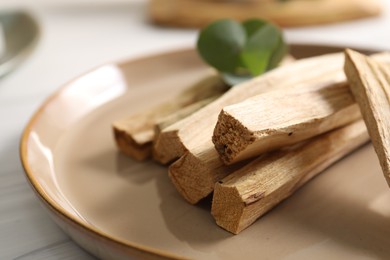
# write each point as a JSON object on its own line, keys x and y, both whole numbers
{"x": 240, "y": 51}
{"x": 220, "y": 44}
{"x": 259, "y": 48}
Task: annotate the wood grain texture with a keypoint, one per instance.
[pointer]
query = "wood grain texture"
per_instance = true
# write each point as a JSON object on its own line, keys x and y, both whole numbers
{"x": 370, "y": 85}
{"x": 134, "y": 135}
{"x": 250, "y": 192}
{"x": 281, "y": 118}
{"x": 195, "y": 13}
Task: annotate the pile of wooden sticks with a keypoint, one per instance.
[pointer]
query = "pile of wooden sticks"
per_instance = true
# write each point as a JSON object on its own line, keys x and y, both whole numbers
{"x": 256, "y": 143}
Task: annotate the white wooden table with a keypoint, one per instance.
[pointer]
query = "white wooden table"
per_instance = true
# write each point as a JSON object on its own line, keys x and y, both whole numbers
{"x": 79, "y": 35}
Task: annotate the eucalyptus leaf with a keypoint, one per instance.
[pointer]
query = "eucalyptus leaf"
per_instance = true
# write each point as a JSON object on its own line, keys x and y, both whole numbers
{"x": 221, "y": 43}
{"x": 241, "y": 51}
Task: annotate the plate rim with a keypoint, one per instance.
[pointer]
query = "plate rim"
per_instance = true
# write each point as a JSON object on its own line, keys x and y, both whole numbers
{"x": 39, "y": 190}
{"x": 53, "y": 206}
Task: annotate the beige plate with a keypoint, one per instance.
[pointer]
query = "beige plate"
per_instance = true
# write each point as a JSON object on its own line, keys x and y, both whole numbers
{"x": 118, "y": 208}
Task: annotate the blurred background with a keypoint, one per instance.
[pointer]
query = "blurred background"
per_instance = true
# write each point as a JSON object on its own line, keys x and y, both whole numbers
{"x": 77, "y": 35}
{"x": 80, "y": 34}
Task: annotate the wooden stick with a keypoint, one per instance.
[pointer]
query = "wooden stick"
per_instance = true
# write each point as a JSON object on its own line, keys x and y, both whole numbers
{"x": 180, "y": 137}
{"x": 250, "y": 192}
{"x": 281, "y": 118}
{"x": 195, "y": 13}
{"x": 134, "y": 135}
{"x": 370, "y": 85}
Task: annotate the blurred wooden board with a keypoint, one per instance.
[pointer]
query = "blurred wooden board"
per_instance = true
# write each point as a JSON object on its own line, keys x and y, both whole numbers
{"x": 288, "y": 13}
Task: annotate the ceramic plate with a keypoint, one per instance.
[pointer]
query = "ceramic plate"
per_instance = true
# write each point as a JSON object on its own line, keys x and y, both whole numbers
{"x": 118, "y": 208}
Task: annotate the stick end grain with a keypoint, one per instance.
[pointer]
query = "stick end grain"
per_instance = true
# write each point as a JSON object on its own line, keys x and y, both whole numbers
{"x": 227, "y": 208}
{"x": 193, "y": 187}
{"x": 195, "y": 175}
{"x": 130, "y": 147}
{"x": 350, "y": 60}
{"x": 230, "y": 137}
{"x": 167, "y": 147}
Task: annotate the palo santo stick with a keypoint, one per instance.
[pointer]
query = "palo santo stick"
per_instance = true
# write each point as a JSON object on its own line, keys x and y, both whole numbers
{"x": 281, "y": 118}
{"x": 134, "y": 135}
{"x": 250, "y": 192}
{"x": 195, "y": 13}
{"x": 200, "y": 167}
{"x": 370, "y": 85}
{"x": 180, "y": 137}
